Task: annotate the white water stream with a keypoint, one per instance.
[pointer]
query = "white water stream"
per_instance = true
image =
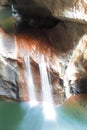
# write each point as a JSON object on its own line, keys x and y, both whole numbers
{"x": 47, "y": 99}
{"x": 48, "y": 104}
{"x": 30, "y": 82}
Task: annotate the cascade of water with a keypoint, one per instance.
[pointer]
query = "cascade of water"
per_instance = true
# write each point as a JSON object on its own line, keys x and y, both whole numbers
{"x": 48, "y": 107}
{"x": 30, "y": 82}
{"x": 46, "y": 89}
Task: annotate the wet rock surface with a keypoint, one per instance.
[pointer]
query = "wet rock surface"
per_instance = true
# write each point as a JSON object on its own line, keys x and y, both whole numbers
{"x": 14, "y": 48}
{"x": 10, "y": 72}
{"x": 56, "y": 44}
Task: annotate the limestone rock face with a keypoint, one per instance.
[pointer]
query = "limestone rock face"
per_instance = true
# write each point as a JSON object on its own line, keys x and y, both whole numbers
{"x": 13, "y": 49}
{"x": 56, "y": 44}
{"x": 8, "y": 85}
{"x": 10, "y": 73}
{"x": 74, "y": 10}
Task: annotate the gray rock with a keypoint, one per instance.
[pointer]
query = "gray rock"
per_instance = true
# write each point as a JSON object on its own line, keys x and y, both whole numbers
{"x": 8, "y": 84}
{"x": 10, "y": 77}
{"x": 7, "y": 72}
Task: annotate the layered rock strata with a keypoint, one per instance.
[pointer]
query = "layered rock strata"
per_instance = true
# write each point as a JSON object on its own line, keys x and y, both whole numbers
{"x": 57, "y": 44}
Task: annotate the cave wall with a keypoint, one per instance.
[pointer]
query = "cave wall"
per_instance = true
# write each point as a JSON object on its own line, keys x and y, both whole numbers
{"x": 56, "y": 43}
{"x": 71, "y": 10}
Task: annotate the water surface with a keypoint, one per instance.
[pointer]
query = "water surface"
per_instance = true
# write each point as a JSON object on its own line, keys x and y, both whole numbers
{"x": 21, "y": 116}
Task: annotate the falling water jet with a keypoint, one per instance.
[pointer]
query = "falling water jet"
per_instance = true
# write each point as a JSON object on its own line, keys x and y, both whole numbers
{"x": 30, "y": 83}
{"x": 48, "y": 105}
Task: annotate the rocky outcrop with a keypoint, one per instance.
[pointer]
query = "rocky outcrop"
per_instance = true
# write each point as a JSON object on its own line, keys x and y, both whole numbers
{"x": 12, "y": 67}
{"x": 11, "y": 81}
{"x": 56, "y": 44}
{"x": 72, "y": 10}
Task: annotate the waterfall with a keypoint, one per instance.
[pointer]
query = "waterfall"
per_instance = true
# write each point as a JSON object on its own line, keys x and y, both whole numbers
{"x": 47, "y": 99}
{"x": 30, "y": 82}
{"x": 46, "y": 88}
{"x": 48, "y": 105}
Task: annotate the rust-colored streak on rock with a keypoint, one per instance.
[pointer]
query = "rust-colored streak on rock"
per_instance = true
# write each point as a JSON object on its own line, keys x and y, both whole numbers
{"x": 36, "y": 43}
{"x": 17, "y": 46}
{"x": 23, "y": 94}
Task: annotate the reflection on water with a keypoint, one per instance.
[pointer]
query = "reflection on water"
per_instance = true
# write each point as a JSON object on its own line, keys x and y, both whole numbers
{"x": 20, "y": 116}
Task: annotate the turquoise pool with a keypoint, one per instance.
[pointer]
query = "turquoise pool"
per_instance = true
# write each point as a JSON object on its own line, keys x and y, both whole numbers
{"x": 20, "y": 116}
